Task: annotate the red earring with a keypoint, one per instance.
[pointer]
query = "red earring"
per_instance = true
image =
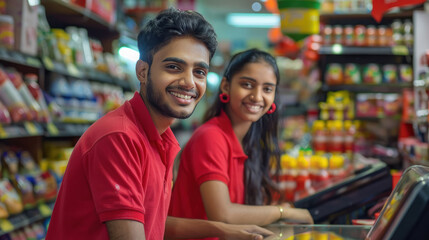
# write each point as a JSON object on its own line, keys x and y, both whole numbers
{"x": 224, "y": 97}
{"x": 272, "y": 108}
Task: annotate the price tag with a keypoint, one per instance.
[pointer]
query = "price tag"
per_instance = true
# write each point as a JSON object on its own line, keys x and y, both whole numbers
{"x": 3, "y": 133}
{"x": 31, "y": 128}
{"x": 48, "y": 63}
{"x": 5, "y": 225}
{"x": 33, "y": 61}
{"x": 52, "y": 129}
{"x": 400, "y": 50}
{"x": 45, "y": 210}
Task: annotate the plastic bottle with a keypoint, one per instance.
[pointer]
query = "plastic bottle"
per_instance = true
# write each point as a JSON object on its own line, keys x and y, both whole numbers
{"x": 337, "y": 137}
{"x": 336, "y": 168}
{"x": 303, "y": 181}
{"x": 349, "y": 136}
{"x": 289, "y": 174}
{"x": 319, "y": 137}
{"x": 321, "y": 178}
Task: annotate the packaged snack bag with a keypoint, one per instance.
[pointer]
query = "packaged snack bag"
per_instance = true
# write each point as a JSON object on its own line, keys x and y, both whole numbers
{"x": 9, "y": 197}
{"x": 334, "y": 74}
{"x": 390, "y": 74}
{"x": 4, "y": 114}
{"x": 13, "y": 100}
{"x": 352, "y": 74}
{"x": 32, "y": 104}
{"x": 372, "y": 74}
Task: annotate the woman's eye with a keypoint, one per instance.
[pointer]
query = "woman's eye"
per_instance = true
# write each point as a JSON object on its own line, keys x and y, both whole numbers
{"x": 247, "y": 85}
{"x": 268, "y": 89}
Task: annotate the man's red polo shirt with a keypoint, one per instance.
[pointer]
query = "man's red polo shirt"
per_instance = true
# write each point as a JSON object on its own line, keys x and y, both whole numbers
{"x": 212, "y": 153}
{"x": 121, "y": 168}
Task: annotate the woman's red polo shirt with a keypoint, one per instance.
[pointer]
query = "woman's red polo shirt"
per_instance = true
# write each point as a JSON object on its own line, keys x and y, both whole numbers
{"x": 212, "y": 153}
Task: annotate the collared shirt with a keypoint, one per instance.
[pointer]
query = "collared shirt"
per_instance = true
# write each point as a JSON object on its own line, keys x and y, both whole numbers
{"x": 212, "y": 153}
{"x": 121, "y": 168}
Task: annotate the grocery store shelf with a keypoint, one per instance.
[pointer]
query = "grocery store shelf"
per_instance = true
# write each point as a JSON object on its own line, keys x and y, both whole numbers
{"x": 60, "y": 129}
{"x": 62, "y": 13}
{"x": 349, "y": 50}
{"x": 26, "y": 218}
{"x": 19, "y": 58}
{"x": 363, "y": 14}
{"x": 19, "y": 130}
{"x": 369, "y": 88}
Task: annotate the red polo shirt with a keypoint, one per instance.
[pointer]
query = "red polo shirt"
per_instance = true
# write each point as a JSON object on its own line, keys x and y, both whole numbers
{"x": 121, "y": 168}
{"x": 212, "y": 153}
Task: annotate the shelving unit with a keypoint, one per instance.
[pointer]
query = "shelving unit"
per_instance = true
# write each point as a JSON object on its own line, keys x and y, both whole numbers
{"x": 30, "y": 136}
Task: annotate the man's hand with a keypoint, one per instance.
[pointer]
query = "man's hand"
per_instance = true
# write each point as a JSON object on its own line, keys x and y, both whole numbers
{"x": 243, "y": 232}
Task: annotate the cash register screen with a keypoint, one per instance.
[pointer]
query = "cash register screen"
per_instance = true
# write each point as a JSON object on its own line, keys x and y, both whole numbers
{"x": 406, "y": 212}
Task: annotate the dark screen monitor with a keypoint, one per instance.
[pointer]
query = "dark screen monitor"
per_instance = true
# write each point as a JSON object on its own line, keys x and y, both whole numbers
{"x": 405, "y": 214}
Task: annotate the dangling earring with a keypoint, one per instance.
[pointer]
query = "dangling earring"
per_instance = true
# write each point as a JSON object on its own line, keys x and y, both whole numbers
{"x": 224, "y": 97}
{"x": 272, "y": 108}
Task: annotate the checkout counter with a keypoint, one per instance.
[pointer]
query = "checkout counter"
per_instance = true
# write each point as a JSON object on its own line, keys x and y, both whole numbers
{"x": 405, "y": 215}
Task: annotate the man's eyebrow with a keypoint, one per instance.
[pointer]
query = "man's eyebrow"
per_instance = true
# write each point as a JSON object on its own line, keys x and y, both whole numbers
{"x": 174, "y": 59}
{"x": 181, "y": 61}
{"x": 202, "y": 65}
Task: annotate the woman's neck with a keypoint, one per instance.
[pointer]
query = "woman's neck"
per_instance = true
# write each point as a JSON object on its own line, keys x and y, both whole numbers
{"x": 239, "y": 127}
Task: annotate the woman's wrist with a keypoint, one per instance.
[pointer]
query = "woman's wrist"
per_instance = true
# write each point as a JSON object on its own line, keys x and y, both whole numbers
{"x": 281, "y": 210}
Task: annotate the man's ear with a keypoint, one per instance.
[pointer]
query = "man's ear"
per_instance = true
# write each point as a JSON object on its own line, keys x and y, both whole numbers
{"x": 142, "y": 70}
{"x": 224, "y": 85}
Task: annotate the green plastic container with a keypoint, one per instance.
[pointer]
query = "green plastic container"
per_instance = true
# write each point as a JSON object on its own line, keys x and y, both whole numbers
{"x": 299, "y": 18}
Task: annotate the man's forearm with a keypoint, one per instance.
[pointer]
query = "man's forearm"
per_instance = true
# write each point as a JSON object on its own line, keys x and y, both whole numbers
{"x": 177, "y": 228}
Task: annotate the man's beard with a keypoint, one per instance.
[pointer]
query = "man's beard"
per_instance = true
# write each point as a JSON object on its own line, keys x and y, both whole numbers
{"x": 155, "y": 100}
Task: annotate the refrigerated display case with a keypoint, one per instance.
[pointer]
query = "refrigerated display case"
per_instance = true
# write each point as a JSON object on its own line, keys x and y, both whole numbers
{"x": 404, "y": 216}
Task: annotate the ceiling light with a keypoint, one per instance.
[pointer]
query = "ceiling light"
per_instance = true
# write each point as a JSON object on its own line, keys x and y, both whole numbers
{"x": 253, "y": 20}
{"x": 129, "y": 54}
{"x": 256, "y": 6}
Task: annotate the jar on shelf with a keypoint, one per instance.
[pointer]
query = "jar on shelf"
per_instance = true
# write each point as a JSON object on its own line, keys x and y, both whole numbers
{"x": 360, "y": 31}
{"x": 371, "y": 36}
{"x": 348, "y": 35}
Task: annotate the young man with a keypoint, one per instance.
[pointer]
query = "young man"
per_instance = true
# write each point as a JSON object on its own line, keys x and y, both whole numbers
{"x": 118, "y": 181}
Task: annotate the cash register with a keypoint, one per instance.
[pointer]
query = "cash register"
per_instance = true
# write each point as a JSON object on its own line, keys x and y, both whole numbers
{"x": 405, "y": 215}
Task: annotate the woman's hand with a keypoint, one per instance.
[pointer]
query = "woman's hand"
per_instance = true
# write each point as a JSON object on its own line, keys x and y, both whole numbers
{"x": 243, "y": 232}
{"x": 297, "y": 215}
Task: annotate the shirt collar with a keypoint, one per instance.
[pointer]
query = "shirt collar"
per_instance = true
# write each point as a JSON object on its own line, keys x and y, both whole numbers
{"x": 145, "y": 122}
{"x": 226, "y": 126}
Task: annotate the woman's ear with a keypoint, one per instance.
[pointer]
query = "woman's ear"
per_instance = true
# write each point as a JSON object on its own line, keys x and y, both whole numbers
{"x": 224, "y": 85}
{"x": 142, "y": 68}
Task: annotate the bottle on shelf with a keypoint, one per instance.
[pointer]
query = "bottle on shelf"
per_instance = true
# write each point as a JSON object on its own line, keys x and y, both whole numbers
{"x": 303, "y": 181}
{"x": 319, "y": 137}
{"x": 321, "y": 177}
{"x": 336, "y": 168}
{"x": 289, "y": 174}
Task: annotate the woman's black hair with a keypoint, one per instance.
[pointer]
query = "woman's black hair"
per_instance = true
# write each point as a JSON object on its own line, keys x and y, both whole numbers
{"x": 172, "y": 23}
{"x": 261, "y": 141}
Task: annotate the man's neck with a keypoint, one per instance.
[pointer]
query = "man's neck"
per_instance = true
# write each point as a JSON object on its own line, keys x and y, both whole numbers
{"x": 162, "y": 123}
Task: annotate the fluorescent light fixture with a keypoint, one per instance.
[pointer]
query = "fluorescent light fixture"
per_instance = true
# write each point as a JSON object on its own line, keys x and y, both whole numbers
{"x": 33, "y": 3}
{"x": 253, "y": 20}
{"x": 129, "y": 54}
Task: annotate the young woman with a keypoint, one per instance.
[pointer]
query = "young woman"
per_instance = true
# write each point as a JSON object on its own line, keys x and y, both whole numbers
{"x": 224, "y": 168}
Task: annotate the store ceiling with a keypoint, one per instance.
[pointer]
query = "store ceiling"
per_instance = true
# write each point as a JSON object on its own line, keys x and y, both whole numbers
{"x": 215, "y": 12}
